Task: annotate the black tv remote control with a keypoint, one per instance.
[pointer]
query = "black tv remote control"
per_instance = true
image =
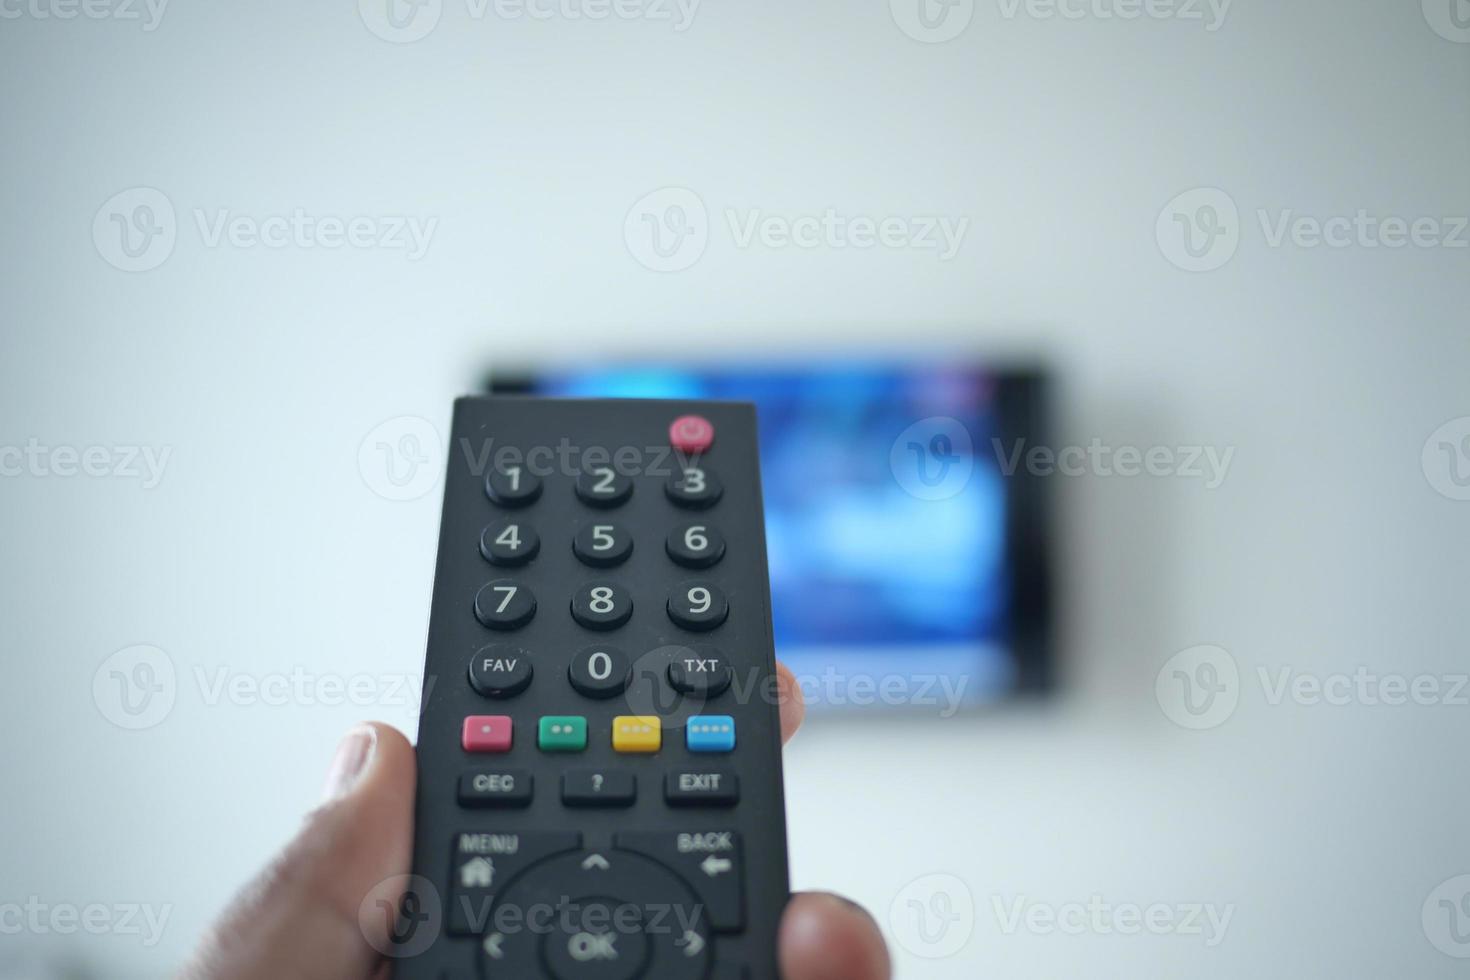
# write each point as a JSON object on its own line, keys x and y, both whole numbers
{"x": 599, "y": 751}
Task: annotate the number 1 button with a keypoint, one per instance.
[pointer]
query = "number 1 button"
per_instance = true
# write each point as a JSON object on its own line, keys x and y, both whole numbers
{"x": 512, "y": 486}
{"x": 504, "y": 604}
{"x": 698, "y": 606}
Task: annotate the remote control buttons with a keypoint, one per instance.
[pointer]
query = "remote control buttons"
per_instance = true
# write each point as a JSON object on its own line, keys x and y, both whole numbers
{"x": 504, "y": 604}
{"x": 499, "y": 671}
{"x": 598, "y": 787}
{"x": 601, "y": 606}
{"x": 691, "y": 434}
{"x": 709, "y": 861}
{"x": 697, "y": 605}
{"x": 701, "y": 787}
{"x": 512, "y": 486}
{"x": 604, "y": 486}
{"x": 710, "y": 733}
{"x": 694, "y": 487}
{"x": 562, "y": 733}
{"x": 597, "y": 939}
{"x": 602, "y": 545}
{"x": 599, "y": 672}
{"x": 701, "y": 672}
{"x": 497, "y": 787}
{"x": 509, "y": 543}
{"x": 637, "y": 733}
{"x": 484, "y": 863}
{"x": 486, "y": 733}
{"x": 695, "y": 545}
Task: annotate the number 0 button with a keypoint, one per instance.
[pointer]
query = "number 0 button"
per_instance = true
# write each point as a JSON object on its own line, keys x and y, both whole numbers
{"x": 512, "y": 486}
{"x": 602, "y": 545}
{"x": 599, "y": 672}
{"x": 695, "y": 545}
{"x": 509, "y": 543}
{"x": 698, "y": 606}
{"x": 504, "y": 604}
{"x": 601, "y": 606}
{"x": 604, "y": 487}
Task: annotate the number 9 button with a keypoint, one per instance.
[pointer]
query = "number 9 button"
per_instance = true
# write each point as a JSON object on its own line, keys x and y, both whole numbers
{"x": 697, "y": 605}
{"x": 601, "y": 606}
{"x": 695, "y": 545}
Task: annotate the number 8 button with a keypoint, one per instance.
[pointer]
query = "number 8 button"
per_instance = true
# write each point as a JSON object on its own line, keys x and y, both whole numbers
{"x": 695, "y": 545}
{"x": 698, "y": 605}
{"x": 601, "y": 606}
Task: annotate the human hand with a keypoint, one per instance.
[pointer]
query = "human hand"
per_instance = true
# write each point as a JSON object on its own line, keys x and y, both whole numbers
{"x": 298, "y": 920}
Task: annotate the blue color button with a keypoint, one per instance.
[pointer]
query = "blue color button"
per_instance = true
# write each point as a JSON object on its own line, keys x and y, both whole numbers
{"x": 710, "y": 733}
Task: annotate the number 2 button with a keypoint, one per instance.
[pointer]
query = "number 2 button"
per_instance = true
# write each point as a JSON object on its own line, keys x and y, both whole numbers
{"x": 698, "y": 606}
{"x": 601, "y": 606}
{"x": 504, "y": 604}
{"x": 508, "y": 543}
{"x": 604, "y": 487}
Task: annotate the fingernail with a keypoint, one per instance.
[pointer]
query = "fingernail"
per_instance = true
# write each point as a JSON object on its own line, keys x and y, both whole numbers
{"x": 350, "y": 762}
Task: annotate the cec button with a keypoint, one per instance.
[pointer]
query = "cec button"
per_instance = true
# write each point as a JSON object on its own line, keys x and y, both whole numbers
{"x": 691, "y": 434}
{"x": 501, "y": 787}
{"x": 710, "y": 733}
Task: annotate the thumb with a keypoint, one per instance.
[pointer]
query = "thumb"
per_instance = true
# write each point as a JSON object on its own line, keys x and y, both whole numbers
{"x": 300, "y": 918}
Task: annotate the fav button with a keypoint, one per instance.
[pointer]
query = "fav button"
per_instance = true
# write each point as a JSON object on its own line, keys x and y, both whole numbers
{"x": 691, "y": 434}
{"x": 500, "y": 671}
{"x": 486, "y": 733}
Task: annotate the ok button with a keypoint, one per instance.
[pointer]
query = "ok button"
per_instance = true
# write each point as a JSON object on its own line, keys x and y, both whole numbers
{"x": 597, "y": 939}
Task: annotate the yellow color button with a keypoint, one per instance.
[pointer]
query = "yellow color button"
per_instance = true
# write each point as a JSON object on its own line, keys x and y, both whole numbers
{"x": 636, "y": 733}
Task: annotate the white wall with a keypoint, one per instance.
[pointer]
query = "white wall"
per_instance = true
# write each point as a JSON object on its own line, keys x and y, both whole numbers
{"x": 1327, "y": 548}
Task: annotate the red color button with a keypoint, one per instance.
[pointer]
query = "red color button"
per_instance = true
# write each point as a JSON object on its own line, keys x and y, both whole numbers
{"x": 691, "y": 434}
{"x": 487, "y": 733}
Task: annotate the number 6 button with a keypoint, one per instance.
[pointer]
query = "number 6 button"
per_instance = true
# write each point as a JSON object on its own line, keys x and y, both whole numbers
{"x": 601, "y": 606}
{"x": 695, "y": 545}
{"x": 698, "y": 605}
{"x": 504, "y": 604}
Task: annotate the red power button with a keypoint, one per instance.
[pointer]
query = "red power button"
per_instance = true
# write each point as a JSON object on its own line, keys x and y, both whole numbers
{"x": 691, "y": 434}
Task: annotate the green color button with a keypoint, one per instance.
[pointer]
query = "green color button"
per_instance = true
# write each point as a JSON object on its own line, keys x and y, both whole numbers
{"x": 562, "y": 733}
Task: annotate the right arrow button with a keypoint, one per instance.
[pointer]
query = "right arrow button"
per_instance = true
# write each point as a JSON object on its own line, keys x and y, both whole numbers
{"x": 708, "y": 860}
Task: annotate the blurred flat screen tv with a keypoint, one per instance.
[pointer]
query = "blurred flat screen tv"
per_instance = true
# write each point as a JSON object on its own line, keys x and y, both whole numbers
{"x": 908, "y": 569}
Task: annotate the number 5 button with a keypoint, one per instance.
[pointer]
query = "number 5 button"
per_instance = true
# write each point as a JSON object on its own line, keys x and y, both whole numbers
{"x": 698, "y": 605}
{"x": 504, "y": 604}
{"x": 601, "y": 606}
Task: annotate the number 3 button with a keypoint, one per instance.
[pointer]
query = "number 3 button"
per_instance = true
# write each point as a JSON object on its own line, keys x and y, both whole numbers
{"x": 698, "y": 606}
{"x": 601, "y": 606}
{"x": 695, "y": 545}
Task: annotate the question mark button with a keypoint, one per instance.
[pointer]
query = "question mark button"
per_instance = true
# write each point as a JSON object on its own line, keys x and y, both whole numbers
{"x": 598, "y": 787}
